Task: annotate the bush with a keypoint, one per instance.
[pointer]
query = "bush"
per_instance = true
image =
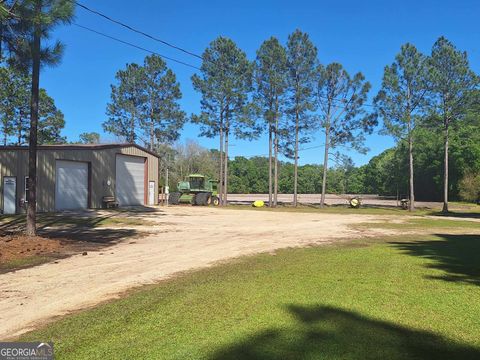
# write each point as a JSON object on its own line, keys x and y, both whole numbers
{"x": 470, "y": 187}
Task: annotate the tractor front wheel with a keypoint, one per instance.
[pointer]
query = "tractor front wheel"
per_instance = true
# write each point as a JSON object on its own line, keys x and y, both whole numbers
{"x": 215, "y": 200}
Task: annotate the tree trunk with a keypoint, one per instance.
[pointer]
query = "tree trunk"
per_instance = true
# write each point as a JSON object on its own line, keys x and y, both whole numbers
{"x": 132, "y": 130}
{"x": 152, "y": 137}
{"x": 32, "y": 149}
{"x": 445, "y": 172}
{"x": 19, "y": 134}
{"x": 152, "y": 130}
{"x": 220, "y": 175}
{"x": 295, "y": 169}
{"x": 275, "y": 185}
{"x": 270, "y": 141}
{"x": 225, "y": 164}
{"x": 411, "y": 206}
{"x": 325, "y": 162}
{"x": 1, "y": 41}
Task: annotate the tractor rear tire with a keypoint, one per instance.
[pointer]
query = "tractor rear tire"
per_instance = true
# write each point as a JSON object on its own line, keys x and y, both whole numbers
{"x": 202, "y": 199}
{"x": 215, "y": 200}
{"x": 194, "y": 200}
{"x": 174, "y": 198}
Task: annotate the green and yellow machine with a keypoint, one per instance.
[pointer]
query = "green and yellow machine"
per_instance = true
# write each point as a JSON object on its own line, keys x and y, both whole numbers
{"x": 196, "y": 189}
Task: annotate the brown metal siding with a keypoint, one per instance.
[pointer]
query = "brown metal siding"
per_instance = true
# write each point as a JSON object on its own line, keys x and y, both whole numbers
{"x": 15, "y": 163}
{"x": 10, "y": 161}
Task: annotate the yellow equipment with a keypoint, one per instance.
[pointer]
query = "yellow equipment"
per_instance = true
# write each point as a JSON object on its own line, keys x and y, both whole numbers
{"x": 258, "y": 203}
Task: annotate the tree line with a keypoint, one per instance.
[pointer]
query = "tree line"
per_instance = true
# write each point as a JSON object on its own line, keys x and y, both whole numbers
{"x": 286, "y": 91}
{"x": 385, "y": 174}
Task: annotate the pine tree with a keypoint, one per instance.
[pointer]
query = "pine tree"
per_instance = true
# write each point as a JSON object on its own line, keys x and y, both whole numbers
{"x": 452, "y": 84}
{"x": 270, "y": 75}
{"x": 343, "y": 118}
{"x": 89, "y": 138}
{"x": 127, "y": 104}
{"x": 402, "y": 98}
{"x": 7, "y": 106}
{"x": 51, "y": 121}
{"x": 162, "y": 118}
{"x": 225, "y": 82}
{"x": 302, "y": 64}
{"x": 32, "y": 26}
{"x": 7, "y": 15}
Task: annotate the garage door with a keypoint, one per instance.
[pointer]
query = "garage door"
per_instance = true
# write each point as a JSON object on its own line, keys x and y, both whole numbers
{"x": 130, "y": 180}
{"x": 71, "y": 186}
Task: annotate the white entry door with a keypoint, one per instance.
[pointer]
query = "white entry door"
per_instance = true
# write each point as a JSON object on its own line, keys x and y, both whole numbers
{"x": 71, "y": 186}
{"x": 9, "y": 194}
{"x": 130, "y": 180}
{"x": 151, "y": 193}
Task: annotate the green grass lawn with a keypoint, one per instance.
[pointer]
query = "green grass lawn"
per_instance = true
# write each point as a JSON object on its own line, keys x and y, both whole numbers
{"x": 395, "y": 298}
{"x": 419, "y": 224}
{"x": 6, "y": 266}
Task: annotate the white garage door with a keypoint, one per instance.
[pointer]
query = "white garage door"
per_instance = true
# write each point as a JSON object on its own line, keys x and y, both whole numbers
{"x": 71, "y": 186}
{"x": 130, "y": 180}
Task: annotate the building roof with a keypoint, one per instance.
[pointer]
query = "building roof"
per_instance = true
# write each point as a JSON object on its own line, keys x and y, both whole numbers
{"x": 79, "y": 147}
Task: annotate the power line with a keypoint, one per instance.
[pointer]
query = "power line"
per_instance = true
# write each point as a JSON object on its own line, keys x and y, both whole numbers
{"x": 135, "y": 46}
{"x": 299, "y": 150}
{"x": 311, "y": 147}
{"x": 118, "y": 22}
{"x": 342, "y": 102}
{"x": 136, "y": 30}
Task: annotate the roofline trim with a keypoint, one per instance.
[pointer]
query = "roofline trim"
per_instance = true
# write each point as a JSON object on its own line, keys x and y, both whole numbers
{"x": 79, "y": 147}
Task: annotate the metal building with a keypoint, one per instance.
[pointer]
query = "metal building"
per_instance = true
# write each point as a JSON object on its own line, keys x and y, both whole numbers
{"x": 72, "y": 177}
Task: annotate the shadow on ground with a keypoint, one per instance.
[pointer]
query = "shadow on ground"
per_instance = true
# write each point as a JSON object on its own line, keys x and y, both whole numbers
{"x": 73, "y": 227}
{"x": 458, "y": 214}
{"x": 323, "y": 332}
{"x": 138, "y": 211}
{"x": 457, "y": 255}
{"x": 91, "y": 236}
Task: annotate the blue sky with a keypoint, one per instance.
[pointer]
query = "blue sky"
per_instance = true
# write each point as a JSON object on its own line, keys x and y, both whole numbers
{"x": 362, "y": 35}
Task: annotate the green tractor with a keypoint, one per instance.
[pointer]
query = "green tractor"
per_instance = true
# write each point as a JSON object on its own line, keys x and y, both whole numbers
{"x": 195, "y": 190}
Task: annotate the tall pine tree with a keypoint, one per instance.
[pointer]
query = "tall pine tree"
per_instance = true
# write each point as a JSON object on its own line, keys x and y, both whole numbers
{"x": 162, "y": 118}
{"x": 31, "y": 27}
{"x": 270, "y": 75}
{"x": 127, "y": 104}
{"x": 302, "y": 65}
{"x": 224, "y": 83}
{"x": 341, "y": 100}
{"x": 453, "y": 84}
{"x": 402, "y": 98}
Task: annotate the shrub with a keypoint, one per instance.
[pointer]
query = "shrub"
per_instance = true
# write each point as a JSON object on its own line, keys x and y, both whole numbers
{"x": 470, "y": 187}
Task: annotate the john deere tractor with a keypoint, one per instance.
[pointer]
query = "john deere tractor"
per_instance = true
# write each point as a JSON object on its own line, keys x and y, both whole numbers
{"x": 195, "y": 190}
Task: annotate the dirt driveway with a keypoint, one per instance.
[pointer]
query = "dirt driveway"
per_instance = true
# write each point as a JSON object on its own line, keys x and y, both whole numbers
{"x": 182, "y": 238}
